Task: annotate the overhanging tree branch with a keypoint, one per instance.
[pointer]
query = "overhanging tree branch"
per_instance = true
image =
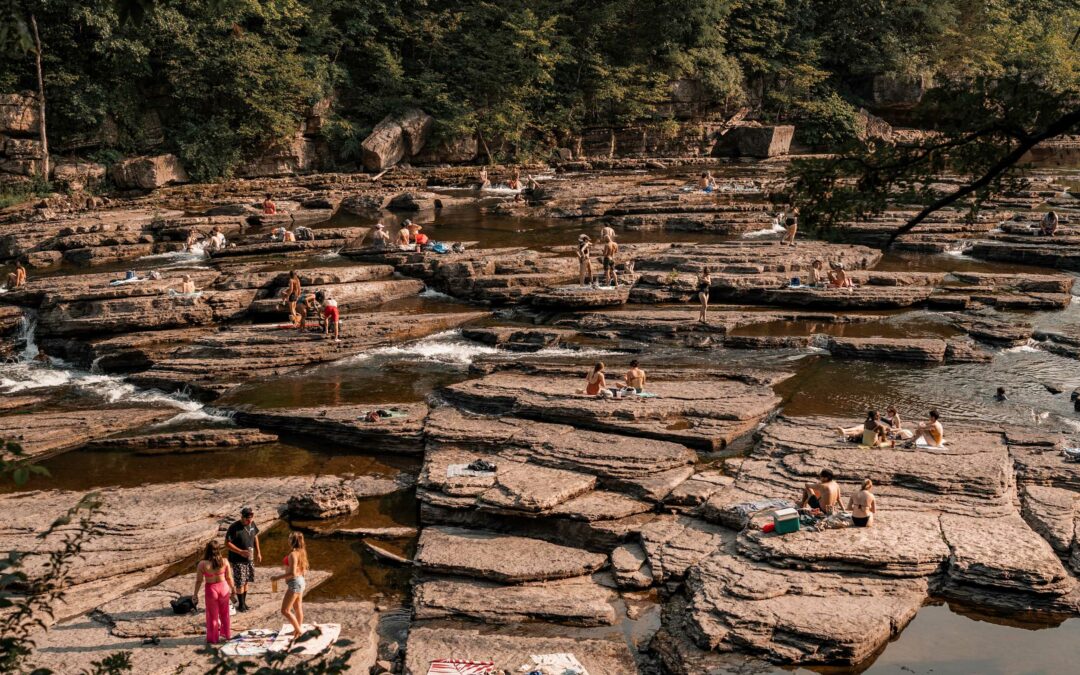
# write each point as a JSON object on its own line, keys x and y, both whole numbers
{"x": 1062, "y": 125}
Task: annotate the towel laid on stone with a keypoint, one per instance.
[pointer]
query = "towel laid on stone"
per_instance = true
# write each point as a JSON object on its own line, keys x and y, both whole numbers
{"x": 461, "y": 667}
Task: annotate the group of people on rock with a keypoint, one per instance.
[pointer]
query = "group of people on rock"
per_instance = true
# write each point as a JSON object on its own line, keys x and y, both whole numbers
{"x": 302, "y": 302}
{"x": 224, "y": 577}
{"x": 609, "y": 249}
{"x": 824, "y": 496}
{"x": 633, "y": 382}
{"x": 876, "y": 432}
{"x": 409, "y": 237}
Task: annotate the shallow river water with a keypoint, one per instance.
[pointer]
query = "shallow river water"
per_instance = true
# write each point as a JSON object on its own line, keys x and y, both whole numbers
{"x": 943, "y": 639}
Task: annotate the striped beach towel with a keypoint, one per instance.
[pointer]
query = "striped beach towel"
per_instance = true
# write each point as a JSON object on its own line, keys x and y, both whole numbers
{"x": 461, "y": 667}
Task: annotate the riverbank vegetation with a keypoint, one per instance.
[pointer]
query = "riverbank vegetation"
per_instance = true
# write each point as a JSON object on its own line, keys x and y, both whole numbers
{"x": 214, "y": 79}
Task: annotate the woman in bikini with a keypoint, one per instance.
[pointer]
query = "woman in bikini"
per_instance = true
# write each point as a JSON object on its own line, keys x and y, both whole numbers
{"x": 863, "y": 506}
{"x": 896, "y": 426}
{"x": 594, "y": 381}
{"x": 296, "y": 566}
{"x": 704, "y": 284}
{"x": 215, "y": 571}
{"x": 584, "y": 254}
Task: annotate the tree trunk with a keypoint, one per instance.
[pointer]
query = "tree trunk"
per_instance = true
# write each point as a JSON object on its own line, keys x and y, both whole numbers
{"x": 41, "y": 102}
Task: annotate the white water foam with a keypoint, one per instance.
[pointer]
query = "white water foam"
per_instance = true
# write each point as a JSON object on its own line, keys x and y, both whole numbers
{"x": 196, "y": 254}
{"x": 776, "y": 228}
{"x": 432, "y": 294}
{"x": 452, "y": 349}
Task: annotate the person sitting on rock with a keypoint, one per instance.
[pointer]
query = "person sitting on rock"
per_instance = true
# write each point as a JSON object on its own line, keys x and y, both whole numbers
{"x": 17, "y": 279}
{"x": 838, "y": 277}
{"x": 584, "y": 254}
{"x": 1049, "y": 225}
{"x": 268, "y": 206}
{"x": 217, "y": 240}
{"x": 192, "y": 240}
{"x": 869, "y": 426}
{"x": 404, "y": 239}
{"x": 594, "y": 381}
{"x": 635, "y": 377}
{"x": 822, "y": 496}
{"x": 287, "y": 236}
{"x": 608, "y": 251}
{"x": 817, "y": 274}
{"x": 863, "y": 506}
{"x": 484, "y": 182}
{"x": 515, "y": 180}
{"x": 187, "y": 287}
{"x": 896, "y": 425}
{"x": 380, "y": 238}
{"x": 930, "y": 432}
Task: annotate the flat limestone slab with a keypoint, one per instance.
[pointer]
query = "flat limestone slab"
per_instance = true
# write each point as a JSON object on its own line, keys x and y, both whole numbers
{"x": 607, "y": 456}
{"x": 487, "y": 555}
{"x": 578, "y": 601}
{"x": 43, "y": 434}
{"x": 346, "y": 425}
{"x": 511, "y": 651}
{"x": 793, "y": 616}
{"x": 705, "y": 414}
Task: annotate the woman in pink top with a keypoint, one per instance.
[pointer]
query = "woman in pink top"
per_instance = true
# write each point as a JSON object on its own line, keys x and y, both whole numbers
{"x": 215, "y": 571}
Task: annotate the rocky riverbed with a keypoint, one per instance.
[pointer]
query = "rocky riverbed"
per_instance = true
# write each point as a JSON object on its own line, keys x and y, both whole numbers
{"x": 465, "y": 499}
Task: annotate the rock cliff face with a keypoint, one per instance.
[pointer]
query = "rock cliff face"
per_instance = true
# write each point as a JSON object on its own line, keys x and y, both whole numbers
{"x": 395, "y": 138}
{"x": 148, "y": 173}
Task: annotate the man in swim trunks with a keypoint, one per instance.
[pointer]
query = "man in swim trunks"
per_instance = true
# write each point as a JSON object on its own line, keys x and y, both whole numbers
{"x": 823, "y": 495}
{"x": 242, "y": 541}
{"x": 292, "y": 294}
{"x": 608, "y": 252}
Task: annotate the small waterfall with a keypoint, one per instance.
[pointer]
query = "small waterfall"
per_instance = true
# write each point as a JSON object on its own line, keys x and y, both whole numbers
{"x": 27, "y": 337}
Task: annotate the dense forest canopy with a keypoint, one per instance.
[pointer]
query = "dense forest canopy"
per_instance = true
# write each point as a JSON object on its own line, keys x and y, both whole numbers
{"x": 228, "y": 76}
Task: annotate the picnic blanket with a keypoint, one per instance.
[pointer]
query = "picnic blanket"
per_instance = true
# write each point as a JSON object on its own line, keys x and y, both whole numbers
{"x": 461, "y": 667}
{"x": 747, "y": 509}
{"x": 250, "y": 642}
{"x": 554, "y": 664}
{"x": 258, "y": 641}
{"x": 463, "y": 470}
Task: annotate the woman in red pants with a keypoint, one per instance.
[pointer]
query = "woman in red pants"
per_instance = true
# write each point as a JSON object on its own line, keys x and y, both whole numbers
{"x": 214, "y": 570}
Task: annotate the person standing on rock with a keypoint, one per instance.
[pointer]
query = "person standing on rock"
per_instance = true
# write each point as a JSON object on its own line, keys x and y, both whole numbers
{"x": 268, "y": 206}
{"x": 216, "y": 573}
{"x": 704, "y": 285}
{"x": 863, "y": 506}
{"x": 584, "y": 254}
{"x": 242, "y": 540}
{"x": 607, "y": 233}
{"x": 296, "y": 566}
{"x": 608, "y": 251}
{"x": 791, "y": 226}
{"x": 823, "y": 495}
{"x": 292, "y": 294}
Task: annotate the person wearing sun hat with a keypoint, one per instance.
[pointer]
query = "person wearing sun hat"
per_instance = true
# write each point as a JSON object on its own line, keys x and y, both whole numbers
{"x": 380, "y": 238}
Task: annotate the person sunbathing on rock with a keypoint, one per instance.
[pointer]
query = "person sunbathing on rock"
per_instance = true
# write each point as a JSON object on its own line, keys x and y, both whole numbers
{"x": 217, "y": 240}
{"x": 930, "y": 432}
{"x": 863, "y": 506}
{"x": 287, "y": 236}
{"x": 817, "y": 274}
{"x": 269, "y": 207}
{"x": 17, "y": 278}
{"x": 896, "y": 426}
{"x": 822, "y": 496}
{"x": 866, "y": 430}
{"x": 594, "y": 381}
{"x": 187, "y": 286}
{"x": 838, "y": 277}
{"x": 635, "y": 377}
{"x": 404, "y": 239}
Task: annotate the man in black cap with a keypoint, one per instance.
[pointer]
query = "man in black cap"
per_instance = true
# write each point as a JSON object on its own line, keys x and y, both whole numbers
{"x": 242, "y": 540}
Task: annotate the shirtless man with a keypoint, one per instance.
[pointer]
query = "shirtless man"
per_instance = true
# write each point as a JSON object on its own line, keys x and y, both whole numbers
{"x": 607, "y": 233}
{"x": 608, "y": 252}
{"x": 863, "y": 506}
{"x": 17, "y": 278}
{"x": 635, "y": 377}
{"x": 292, "y": 294}
{"x": 817, "y": 275}
{"x": 823, "y": 495}
{"x": 931, "y": 431}
{"x": 485, "y": 182}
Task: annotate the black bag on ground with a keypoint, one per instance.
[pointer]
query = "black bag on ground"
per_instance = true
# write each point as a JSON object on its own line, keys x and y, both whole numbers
{"x": 183, "y": 605}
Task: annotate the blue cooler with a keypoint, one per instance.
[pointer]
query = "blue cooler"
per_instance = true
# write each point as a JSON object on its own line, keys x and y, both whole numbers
{"x": 785, "y": 521}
